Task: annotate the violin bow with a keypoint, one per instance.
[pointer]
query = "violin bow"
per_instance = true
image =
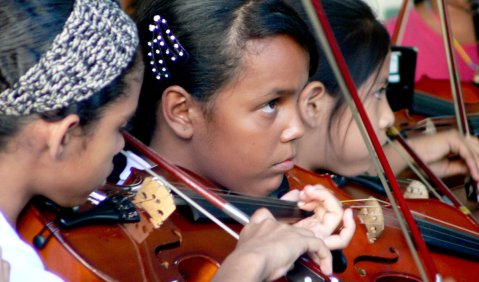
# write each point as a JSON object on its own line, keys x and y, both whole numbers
{"x": 330, "y": 47}
{"x": 472, "y": 188}
{"x": 439, "y": 184}
{"x": 461, "y": 118}
{"x": 401, "y": 21}
{"x": 456, "y": 89}
{"x": 304, "y": 268}
{"x": 195, "y": 185}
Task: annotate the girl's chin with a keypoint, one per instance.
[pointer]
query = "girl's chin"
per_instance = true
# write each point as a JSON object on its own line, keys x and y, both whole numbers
{"x": 348, "y": 170}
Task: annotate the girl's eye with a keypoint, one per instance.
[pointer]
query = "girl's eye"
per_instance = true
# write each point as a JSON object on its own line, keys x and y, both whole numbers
{"x": 270, "y": 107}
{"x": 125, "y": 127}
{"x": 379, "y": 93}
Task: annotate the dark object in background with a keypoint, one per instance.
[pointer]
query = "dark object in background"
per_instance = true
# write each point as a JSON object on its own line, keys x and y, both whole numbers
{"x": 401, "y": 77}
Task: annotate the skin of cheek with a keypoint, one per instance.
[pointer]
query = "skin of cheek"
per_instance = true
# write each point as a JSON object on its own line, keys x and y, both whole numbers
{"x": 90, "y": 161}
{"x": 240, "y": 147}
{"x": 347, "y": 151}
{"x": 245, "y": 165}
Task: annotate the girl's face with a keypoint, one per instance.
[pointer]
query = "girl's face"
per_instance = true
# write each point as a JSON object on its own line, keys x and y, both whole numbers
{"x": 348, "y": 154}
{"x": 90, "y": 154}
{"x": 247, "y": 143}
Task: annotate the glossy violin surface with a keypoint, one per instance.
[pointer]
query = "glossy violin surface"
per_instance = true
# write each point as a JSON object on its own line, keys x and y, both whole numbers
{"x": 435, "y": 90}
{"x": 378, "y": 251}
{"x": 186, "y": 247}
{"x": 180, "y": 250}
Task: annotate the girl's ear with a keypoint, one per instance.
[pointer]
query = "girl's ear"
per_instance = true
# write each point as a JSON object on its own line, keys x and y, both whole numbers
{"x": 60, "y": 135}
{"x": 313, "y": 102}
{"x": 177, "y": 108}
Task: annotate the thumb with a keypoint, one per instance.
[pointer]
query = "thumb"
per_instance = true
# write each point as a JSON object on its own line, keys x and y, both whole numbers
{"x": 261, "y": 215}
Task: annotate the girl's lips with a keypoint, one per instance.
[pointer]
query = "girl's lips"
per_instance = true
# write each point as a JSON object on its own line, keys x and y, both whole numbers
{"x": 285, "y": 165}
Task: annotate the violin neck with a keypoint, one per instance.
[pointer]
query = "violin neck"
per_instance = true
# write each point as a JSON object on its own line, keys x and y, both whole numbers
{"x": 284, "y": 210}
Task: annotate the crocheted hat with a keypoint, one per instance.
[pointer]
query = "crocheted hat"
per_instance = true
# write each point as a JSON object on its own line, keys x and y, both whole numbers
{"x": 96, "y": 44}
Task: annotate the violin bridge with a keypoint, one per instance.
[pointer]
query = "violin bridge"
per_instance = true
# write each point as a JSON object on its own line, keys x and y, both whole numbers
{"x": 430, "y": 127}
{"x": 416, "y": 190}
{"x": 371, "y": 215}
{"x": 156, "y": 200}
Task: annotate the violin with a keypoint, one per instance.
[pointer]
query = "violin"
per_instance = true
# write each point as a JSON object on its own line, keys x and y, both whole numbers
{"x": 464, "y": 95}
{"x": 179, "y": 250}
{"x": 433, "y": 97}
{"x": 81, "y": 246}
{"x": 429, "y": 266}
{"x": 411, "y": 125}
{"x": 378, "y": 251}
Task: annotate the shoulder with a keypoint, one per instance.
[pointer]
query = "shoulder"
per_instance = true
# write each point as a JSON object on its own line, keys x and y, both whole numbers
{"x": 25, "y": 264}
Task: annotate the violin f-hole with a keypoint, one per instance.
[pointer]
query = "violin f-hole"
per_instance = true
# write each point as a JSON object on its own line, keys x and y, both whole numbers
{"x": 375, "y": 259}
{"x": 171, "y": 245}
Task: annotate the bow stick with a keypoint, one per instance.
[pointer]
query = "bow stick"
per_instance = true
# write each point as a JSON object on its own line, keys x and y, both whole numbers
{"x": 328, "y": 43}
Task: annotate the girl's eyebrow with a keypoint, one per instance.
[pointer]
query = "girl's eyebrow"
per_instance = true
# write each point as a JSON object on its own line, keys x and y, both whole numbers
{"x": 284, "y": 92}
{"x": 280, "y": 92}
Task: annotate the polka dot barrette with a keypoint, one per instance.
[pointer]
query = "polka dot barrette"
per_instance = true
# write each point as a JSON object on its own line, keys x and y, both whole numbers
{"x": 163, "y": 46}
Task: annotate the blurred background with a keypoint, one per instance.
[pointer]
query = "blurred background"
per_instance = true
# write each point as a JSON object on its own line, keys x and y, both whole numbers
{"x": 385, "y": 9}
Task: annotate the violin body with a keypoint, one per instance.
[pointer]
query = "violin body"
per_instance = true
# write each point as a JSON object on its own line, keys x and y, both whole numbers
{"x": 441, "y": 89}
{"x": 184, "y": 250}
{"x": 112, "y": 252}
{"x": 388, "y": 257}
{"x": 180, "y": 250}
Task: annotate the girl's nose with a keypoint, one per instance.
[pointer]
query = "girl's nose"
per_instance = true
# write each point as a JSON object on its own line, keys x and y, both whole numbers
{"x": 386, "y": 118}
{"x": 295, "y": 127}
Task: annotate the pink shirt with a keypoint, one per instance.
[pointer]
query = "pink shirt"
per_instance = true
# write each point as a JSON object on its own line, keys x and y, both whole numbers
{"x": 431, "y": 59}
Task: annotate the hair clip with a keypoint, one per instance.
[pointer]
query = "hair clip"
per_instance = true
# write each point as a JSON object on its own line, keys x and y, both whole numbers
{"x": 163, "y": 45}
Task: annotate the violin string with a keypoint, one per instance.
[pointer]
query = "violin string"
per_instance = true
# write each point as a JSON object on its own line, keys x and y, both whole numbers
{"x": 264, "y": 202}
{"x": 384, "y": 204}
{"x": 446, "y": 223}
{"x": 277, "y": 203}
{"x": 465, "y": 240}
{"x": 240, "y": 198}
{"x": 393, "y": 219}
{"x": 449, "y": 238}
{"x": 431, "y": 218}
{"x": 247, "y": 199}
{"x": 163, "y": 181}
{"x": 442, "y": 122}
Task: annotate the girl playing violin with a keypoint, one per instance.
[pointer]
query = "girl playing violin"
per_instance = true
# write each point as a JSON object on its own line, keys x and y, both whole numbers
{"x": 220, "y": 99}
{"x": 332, "y": 138}
{"x": 64, "y": 101}
{"x": 69, "y": 82}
